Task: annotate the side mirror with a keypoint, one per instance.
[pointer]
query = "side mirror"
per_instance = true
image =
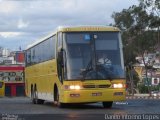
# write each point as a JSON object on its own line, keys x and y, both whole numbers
{"x": 60, "y": 57}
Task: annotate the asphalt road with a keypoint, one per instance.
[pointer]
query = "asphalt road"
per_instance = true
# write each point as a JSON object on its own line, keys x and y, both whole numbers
{"x": 21, "y": 108}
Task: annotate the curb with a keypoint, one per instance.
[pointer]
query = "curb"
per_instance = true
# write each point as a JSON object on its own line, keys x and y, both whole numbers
{"x": 142, "y": 97}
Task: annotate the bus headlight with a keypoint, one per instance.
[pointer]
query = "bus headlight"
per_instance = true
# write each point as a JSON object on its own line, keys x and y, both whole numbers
{"x": 120, "y": 85}
{"x": 77, "y": 87}
{"x": 72, "y": 87}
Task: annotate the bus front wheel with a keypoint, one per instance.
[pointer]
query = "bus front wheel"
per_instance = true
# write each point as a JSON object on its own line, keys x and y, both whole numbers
{"x": 58, "y": 103}
{"x": 107, "y": 104}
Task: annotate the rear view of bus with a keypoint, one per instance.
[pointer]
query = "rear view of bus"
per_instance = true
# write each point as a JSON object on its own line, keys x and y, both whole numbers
{"x": 88, "y": 67}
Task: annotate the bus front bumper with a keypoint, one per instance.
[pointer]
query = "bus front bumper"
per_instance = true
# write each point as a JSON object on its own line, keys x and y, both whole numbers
{"x": 88, "y": 96}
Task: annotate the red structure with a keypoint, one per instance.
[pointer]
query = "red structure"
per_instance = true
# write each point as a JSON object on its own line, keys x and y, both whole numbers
{"x": 19, "y": 57}
{"x": 14, "y": 89}
{"x": 11, "y": 68}
{"x": 13, "y": 76}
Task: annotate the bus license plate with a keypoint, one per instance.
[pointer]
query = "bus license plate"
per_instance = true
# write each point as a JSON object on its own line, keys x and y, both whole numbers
{"x": 97, "y": 94}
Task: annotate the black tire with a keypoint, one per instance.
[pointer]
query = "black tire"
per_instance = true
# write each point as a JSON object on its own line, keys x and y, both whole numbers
{"x": 59, "y": 104}
{"x": 107, "y": 104}
{"x": 35, "y": 98}
{"x": 40, "y": 101}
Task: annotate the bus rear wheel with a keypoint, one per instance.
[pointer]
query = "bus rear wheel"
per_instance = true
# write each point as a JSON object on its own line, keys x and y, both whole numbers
{"x": 33, "y": 96}
{"x": 35, "y": 99}
{"x": 39, "y": 101}
{"x": 107, "y": 104}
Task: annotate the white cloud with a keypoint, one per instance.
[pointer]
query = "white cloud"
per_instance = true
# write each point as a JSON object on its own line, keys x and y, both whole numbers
{"x": 10, "y": 34}
{"x": 22, "y": 24}
{"x": 25, "y": 20}
{"x": 7, "y": 7}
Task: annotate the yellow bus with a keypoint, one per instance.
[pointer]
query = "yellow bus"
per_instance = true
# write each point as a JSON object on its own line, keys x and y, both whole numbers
{"x": 76, "y": 64}
{"x": 2, "y": 88}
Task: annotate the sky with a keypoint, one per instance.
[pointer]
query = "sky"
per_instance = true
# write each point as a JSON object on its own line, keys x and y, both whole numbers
{"x": 24, "y": 21}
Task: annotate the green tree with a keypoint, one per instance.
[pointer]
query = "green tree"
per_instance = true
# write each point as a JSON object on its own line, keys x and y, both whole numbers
{"x": 138, "y": 33}
{"x": 153, "y": 9}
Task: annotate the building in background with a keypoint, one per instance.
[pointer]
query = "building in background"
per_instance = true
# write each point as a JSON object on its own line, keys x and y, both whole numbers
{"x": 19, "y": 57}
{"x": 13, "y": 77}
{"x": 12, "y": 71}
{"x": 153, "y": 73}
{"x": 5, "y": 52}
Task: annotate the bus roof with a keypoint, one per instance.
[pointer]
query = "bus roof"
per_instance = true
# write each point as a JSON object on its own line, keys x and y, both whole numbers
{"x": 87, "y": 28}
{"x": 76, "y": 29}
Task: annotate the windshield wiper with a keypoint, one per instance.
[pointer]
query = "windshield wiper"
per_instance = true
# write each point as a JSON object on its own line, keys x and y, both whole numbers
{"x": 87, "y": 69}
{"x": 104, "y": 72}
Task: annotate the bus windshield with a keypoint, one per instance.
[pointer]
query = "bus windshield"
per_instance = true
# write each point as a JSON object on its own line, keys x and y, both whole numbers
{"x": 93, "y": 55}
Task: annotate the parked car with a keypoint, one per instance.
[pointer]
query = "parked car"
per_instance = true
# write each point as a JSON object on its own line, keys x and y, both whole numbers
{"x": 155, "y": 93}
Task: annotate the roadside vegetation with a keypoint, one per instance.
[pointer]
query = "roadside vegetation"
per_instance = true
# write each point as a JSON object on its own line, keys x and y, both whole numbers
{"x": 140, "y": 26}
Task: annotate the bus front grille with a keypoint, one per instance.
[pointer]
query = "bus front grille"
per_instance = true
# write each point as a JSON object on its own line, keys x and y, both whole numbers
{"x": 89, "y": 86}
{"x": 96, "y": 86}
